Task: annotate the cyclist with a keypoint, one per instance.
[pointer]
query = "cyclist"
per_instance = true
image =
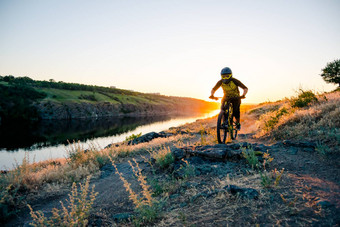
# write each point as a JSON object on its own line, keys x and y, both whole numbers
{"x": 230, "y": 89}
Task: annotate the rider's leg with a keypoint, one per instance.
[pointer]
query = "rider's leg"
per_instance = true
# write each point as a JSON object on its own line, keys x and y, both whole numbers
{"x": 236, "y": 110}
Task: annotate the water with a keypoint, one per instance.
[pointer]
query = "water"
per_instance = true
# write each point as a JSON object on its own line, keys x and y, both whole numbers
{"x": 49, "y": 139}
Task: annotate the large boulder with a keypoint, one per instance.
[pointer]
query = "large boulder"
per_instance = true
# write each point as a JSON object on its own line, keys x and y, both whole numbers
{"x": 146, "y": 138}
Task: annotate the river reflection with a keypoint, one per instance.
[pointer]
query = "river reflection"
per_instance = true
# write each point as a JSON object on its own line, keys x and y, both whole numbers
{"x": 55, "y": 132}
{"x": 48, "y": 139}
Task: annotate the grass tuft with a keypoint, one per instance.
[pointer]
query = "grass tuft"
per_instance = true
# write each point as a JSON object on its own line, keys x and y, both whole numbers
{"x": 75, "y": 214}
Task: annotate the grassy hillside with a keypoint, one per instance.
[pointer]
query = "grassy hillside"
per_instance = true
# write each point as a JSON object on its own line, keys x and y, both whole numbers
{"x": 71, "y": 100}
{"x": 304, "y": 117}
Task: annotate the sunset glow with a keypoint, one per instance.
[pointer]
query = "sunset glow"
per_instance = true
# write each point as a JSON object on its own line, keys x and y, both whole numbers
{"x": 173, "y": 47}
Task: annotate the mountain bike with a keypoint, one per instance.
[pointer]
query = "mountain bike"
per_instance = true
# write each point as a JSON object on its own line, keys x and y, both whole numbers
{"x": 225, "y": 121}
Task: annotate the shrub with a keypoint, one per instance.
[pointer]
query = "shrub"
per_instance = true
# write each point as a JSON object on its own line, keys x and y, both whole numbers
{"x": 76, "y": 214}
{"x": 250, "y": 155}
{"x": 187, "y": 170}
{"x": 272, "y": 178}
{"x": 303, "y": 99}
{"x": 133, "y": 136}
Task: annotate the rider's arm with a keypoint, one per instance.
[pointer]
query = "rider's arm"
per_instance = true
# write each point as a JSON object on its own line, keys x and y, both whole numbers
{"x": 245, "y": 91}
{"x": 241, "y": 85}
{"x": 218, "y": 84}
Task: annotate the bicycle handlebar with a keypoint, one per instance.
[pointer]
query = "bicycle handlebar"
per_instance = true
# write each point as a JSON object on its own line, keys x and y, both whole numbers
{"x": 217, "y": 98}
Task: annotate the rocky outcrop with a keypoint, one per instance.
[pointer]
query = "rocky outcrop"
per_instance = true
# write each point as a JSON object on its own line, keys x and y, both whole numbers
{"x": 218, "y": 152}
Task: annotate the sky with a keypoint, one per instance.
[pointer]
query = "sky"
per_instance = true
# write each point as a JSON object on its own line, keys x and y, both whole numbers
{"x": 175, "y": 47}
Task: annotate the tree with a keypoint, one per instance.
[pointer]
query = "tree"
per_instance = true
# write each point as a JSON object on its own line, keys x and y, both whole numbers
{"x": 331, "y": 73}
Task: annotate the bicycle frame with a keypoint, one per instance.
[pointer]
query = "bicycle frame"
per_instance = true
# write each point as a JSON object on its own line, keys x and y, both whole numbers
{"x": 225, "y": 122}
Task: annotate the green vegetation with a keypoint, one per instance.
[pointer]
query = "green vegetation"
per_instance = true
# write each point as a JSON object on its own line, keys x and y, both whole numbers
{"x": 16, "y": 102}
{"x": 270, "y": 179}
{"x": 22, "y": 92}
{"x": 163, "y": 157}
{"x": 250, "y": 155}
{"x": 133, "y": 136}
{"x": 304, "y": 99}
{"x": 331, "y": 73}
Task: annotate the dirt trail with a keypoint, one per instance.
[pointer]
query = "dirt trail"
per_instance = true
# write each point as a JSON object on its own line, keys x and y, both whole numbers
{"x": 308, "y": 193}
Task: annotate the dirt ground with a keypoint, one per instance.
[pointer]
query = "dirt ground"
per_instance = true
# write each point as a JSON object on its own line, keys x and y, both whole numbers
{"x": 308, "y": 193}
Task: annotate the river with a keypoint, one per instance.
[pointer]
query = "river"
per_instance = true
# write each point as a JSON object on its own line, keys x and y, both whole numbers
{"x": 49, "y": 139}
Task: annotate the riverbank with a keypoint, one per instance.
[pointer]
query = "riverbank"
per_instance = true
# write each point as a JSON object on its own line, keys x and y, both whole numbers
{"x": 24, "y": 99}
{"x": 182, "y": 176}
{"x": 50, "y": 138}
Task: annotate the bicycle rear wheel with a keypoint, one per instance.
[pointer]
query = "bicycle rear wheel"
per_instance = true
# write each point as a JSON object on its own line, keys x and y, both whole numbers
{"x": 222, "y": 127}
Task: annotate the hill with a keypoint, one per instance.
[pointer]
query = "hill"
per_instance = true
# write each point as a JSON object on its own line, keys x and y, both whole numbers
{"x": 276, "y": 173}
{"x": 25, "y": 98}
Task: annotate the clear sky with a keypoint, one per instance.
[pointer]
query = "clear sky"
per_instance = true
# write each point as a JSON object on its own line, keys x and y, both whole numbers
{"x": 175, "y": 47}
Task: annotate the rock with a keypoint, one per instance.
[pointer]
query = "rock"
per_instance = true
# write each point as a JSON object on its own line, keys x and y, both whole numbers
{"x": 293, "y": 150}
{"x": 204, "y": 169}
{"x": 212, "y": 153}
{"x": 178, "y": 153}
{"x": 260, "y": 147}
{"x": 234, "y": 146}
{"x": 248, "y": 193}
{"x": 324, "y": 203}
{"x": 234, "y": 154}
{"x": 145, "y": 138}
{"x": 302, "y": 144}
{"x": 122, "y": 217}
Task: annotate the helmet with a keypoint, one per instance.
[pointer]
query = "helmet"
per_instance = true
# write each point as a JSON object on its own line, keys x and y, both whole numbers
{"x": 226, "y": 70}
{"x": 226, "y": 73}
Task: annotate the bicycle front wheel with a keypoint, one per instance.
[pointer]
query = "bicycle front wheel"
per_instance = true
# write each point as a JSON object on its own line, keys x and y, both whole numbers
{"x": 222, "y": 127}
{"x": 233, "y": 131}
{"x": 231, "y": 124}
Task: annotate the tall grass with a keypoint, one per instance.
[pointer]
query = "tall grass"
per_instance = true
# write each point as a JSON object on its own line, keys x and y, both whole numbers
{"x": 146, "y": 206}
{"x": 75, "y": 214}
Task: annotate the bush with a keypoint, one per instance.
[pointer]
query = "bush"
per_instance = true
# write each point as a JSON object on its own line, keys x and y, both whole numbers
{"x": 133, "y": 136}
{"x": 250, "y": 155}
{"x": 303, "y": 99}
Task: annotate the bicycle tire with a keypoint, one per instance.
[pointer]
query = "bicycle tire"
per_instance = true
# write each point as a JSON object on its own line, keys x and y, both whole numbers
{"x": 222, "y": 129}
{"x": 233, "y": 131}
{"x": 231, "y": 124}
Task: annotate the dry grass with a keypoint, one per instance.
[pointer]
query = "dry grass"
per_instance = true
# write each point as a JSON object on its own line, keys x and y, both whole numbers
{"x": 50, "y": 177}
{"x": 319, "y": 121}
{"x": 75, "y": 214}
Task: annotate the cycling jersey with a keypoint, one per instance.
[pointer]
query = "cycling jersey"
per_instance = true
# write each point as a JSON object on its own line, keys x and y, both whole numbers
{"x": 230, "y": 87}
